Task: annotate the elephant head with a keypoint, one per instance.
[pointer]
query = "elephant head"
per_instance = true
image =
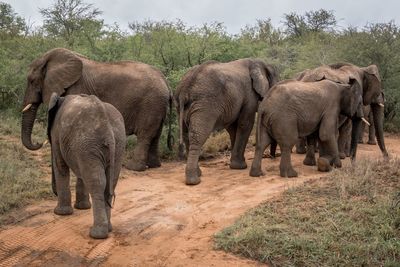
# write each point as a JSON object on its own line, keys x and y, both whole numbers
{"x": 351, "y": 100}
{"x": 263, "y": 76}
{"x": 55, "y": 71}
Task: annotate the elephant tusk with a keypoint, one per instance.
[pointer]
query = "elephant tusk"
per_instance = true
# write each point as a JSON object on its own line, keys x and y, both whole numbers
{"x": 45, "y": 142}
{"x": 27, "y": 107}
{"x": 366, "y": 122}
{"x": 382, "y": 105}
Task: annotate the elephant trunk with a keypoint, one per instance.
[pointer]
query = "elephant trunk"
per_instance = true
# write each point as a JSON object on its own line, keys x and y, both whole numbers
{"x": 377, "y": 112}
{"x": 28, "y": 119}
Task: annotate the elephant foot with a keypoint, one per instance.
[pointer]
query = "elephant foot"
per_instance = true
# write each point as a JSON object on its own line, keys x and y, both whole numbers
{"x": 310, "y": 161}
{"x": 290, "y": 172}
{"x": 300, "y": 150}
{"x": 154, "y": 162}
{"x": 82, "y": 205}
{"x": 324, "y": 165}
{"x": 342, "y": 155}
{"x": 337, "y": 163}
{"x": 371, "y": 142}
{"x": 193, "y": 176}
{"x": 238, "y": 165}
{"x": 360, "y": 141}
{"x": 63, "y": 210}
{"x": 99, "y": 232}
{"x": 256, "y": 172}
{"x": 136, "y": 166}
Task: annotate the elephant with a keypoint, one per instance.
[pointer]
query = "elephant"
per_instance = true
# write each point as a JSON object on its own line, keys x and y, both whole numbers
{"x": 293, "y": 109}
{"x": 215, "y": 96}
{"x": 138, "y": 91}
{"x": 369, "y": 80}
{"x": 88, "y": 137}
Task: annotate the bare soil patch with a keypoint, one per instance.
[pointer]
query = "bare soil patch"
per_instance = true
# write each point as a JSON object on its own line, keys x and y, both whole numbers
{"x": 157, "y": 219}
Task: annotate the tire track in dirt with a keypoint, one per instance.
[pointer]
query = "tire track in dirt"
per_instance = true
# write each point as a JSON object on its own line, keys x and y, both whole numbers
{"x": 157, "y": 219}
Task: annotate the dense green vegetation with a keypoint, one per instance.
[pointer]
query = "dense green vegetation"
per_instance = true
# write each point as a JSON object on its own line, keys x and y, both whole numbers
{"x": 348, "y": 219}
{"x": 305, "y": 41}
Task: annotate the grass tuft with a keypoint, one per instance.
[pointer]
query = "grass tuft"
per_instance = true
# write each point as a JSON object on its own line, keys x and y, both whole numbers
{"x": 350, "y": 218}
{"x": 20, "y": 174}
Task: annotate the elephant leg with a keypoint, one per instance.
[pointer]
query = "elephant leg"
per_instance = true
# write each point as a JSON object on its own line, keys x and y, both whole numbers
{"x": 310, "y": 160}
{"x": 82, "y": 201}
{"x": 244, "y": 126}
{"x": 200, "y": 128}
{"x": 329, "y": 155}
{"x": 263, "y": 140}
{"x": 185, "y": 137}
{"x": 285, "y": 167}
{"x": 360, "y": 139}
{"x": 62, "y": 178}
{"x": 301, "y": 146}
{"x": 95, "y": 178}
{"x": 232, "y": 133}
{"x": 371, "y": 130}
{"x": 344, "y": 137}
{"x": 153, "y": 160}
{"x": 140, "y": 154}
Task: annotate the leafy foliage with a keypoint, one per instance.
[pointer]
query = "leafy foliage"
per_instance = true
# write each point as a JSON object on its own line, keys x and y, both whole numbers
{"x": 306, "y": 41}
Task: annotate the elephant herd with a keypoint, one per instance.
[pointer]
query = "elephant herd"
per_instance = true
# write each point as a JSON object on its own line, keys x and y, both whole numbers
{"x": 92, "y": 106}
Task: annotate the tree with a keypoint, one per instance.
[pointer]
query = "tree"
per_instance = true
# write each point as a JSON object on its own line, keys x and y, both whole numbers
{"x": 312, "y": 21}
{"x": 10, "y": 22}
{"x": 67, "y": 18}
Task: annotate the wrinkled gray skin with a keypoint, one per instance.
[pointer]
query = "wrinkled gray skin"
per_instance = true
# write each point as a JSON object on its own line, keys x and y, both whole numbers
{"x": 293, "y": 109}
{"x": 137, "y": 90}
{"x": 88, "y": 137}
{"x": 369, "y": 80}
{"x": 215, "y": 96}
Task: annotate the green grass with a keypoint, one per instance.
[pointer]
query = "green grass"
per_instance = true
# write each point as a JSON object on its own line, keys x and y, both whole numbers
{"x": 20, "y": 175}
{"x": 351, "y": 218}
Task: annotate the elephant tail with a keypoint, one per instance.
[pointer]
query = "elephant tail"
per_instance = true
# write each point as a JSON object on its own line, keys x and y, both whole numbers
{"x": 110, "y": 171}
{"x": 53, "y": 178}
{"x": 170, "y": 138}
{"x": 181, "y": 107}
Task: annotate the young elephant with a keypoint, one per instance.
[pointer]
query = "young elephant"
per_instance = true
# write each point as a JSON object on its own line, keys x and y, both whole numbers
{"x": 294, "y": 109}
{"x": 88, "y": 137}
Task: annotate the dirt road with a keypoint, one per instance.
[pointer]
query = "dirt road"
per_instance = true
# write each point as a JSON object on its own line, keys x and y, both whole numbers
{"x": 157, "y": 220}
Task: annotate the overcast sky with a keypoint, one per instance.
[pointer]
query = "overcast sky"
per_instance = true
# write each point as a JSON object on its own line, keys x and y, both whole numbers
{"x": 234, "y": 14}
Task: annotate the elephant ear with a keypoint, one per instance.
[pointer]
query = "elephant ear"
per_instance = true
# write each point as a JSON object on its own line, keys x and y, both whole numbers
{"x": 54, "y": 104}
{"x": 314, "y": 75}
{"x": 372, "y": 84}
{"x": 63, "y": 69}
{"x": 351, "y": 103}
{"x": 300, "y": 76}
{"x": 259, "y": 78}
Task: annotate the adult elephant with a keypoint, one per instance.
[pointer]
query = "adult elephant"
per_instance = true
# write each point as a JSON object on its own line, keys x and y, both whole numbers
{"x": 294, "y": 108}
{"x": 370, "y": 82}
{"x": 214, "y": 96}
{"x": 139, "y": 92}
